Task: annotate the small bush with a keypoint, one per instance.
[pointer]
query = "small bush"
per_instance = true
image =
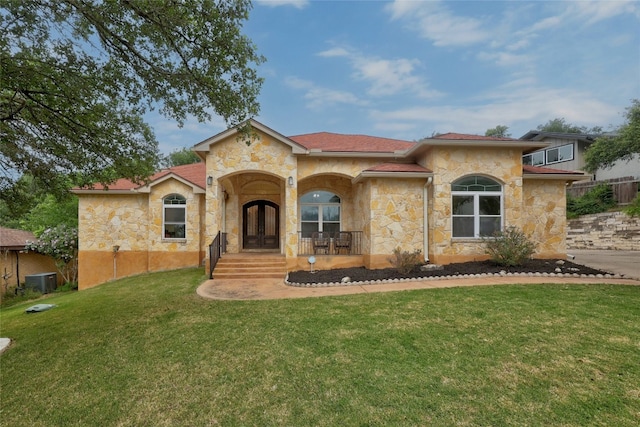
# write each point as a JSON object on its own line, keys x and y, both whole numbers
{"x": 510, "y": 247}
{"x": 634, "y": 208}
{"x": 405, "y": 261}
{"x": 598, "y": 199}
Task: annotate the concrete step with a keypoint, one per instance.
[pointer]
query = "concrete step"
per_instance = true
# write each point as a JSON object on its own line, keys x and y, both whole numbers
{"x": 251, "y": 266}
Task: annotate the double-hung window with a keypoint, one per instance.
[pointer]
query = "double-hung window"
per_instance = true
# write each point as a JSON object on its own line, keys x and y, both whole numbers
{"x": 319, "y": 211}
{"x": 476, "y": 207}
{"x": 174, "y": 216}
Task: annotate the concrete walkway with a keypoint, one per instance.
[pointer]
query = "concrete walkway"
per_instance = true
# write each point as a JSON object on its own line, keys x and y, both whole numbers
{"x": 263, "y": 289}
{"x": 626, "y": 263}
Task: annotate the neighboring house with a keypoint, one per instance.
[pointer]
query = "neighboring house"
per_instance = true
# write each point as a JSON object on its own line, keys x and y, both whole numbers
{"x": 566, "y": 152}
{"x": 273, "y": 193}
{"x": 16, "y": 262}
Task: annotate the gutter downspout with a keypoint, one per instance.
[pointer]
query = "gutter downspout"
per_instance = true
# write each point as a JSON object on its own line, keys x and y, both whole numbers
{"x": 425, "y": 205}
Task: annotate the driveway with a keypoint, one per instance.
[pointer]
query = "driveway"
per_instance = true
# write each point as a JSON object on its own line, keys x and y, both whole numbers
{"x": 626, "y": 263}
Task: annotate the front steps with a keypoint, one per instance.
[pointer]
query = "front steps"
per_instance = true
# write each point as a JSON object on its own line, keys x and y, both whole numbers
{"x": 251, "y": 266}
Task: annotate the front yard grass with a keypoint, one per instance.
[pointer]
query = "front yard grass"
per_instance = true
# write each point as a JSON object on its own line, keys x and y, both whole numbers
{"x": 147, "y": 351}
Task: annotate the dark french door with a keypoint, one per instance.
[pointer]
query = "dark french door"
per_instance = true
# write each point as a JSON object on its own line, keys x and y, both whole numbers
{"x": 260, "y": 225}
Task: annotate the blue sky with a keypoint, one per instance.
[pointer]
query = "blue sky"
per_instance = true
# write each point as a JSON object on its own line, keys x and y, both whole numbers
{"x": 407, "y": 69}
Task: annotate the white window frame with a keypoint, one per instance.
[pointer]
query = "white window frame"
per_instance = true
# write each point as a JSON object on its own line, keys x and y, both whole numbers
{"x": 558, "y": 148}
{"x": 476, "y": 208}
{"x": 320, "y": 207}
{"x": 532, "y": 156}
{"x": 180, "y": 203}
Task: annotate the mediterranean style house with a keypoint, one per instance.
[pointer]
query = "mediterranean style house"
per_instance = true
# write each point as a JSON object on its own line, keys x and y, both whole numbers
{"x": 346, "y": 200}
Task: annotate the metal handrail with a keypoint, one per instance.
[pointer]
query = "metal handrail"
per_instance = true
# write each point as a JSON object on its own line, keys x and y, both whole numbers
{"x": 217, "y": 247}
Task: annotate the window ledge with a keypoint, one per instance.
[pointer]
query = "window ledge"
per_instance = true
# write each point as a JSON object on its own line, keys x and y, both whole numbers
{"x": 170, "y": 240}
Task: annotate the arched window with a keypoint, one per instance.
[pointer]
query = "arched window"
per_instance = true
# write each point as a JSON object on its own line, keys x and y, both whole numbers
{"x": 174, "y": 217}
{"x": 319, "y": 211}
{"x": 476, "y": 206}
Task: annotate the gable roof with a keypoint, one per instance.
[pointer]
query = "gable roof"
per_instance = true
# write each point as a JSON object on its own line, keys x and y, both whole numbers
{"x": 204, "y": 146}
{"x": 16, "y": 240}
{"x": 335, "y": 142}
{"x": 192, "y": 175}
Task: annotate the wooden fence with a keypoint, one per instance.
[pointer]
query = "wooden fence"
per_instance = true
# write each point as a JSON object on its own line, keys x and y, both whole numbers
{"x": 624, "y": 189}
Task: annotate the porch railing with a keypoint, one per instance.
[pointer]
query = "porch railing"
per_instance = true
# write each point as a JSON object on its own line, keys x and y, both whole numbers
{"x": 216, "y": 249}
{"x": 305, "y": 245}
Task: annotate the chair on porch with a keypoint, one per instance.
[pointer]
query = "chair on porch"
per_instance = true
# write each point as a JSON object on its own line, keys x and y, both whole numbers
{"x": 320, "y": 241}
{"x": 341, "y": 241}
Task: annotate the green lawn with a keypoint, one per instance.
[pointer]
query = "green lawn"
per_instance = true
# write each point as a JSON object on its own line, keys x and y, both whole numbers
{"x": 147, "y": 351}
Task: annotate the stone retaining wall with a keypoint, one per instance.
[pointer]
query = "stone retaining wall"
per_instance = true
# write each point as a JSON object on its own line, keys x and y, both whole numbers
{"x": 608, "y": 230}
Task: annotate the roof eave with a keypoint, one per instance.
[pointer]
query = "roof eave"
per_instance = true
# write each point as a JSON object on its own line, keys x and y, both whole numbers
{"x": 356, "y": 154}
{"x": 483, "y": 143}
{"x": 379, "y": 174}
{"x": 103, "y": 191}
{"x": 556, "y": 176}
{"x": 147, "y": 188}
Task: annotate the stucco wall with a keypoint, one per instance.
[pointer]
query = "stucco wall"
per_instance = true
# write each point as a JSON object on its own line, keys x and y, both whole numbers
{"x": 29, "y": 263}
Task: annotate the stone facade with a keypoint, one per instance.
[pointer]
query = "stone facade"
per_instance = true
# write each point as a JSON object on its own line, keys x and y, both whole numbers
{"x": 133, "y": 223}
{"x": 385, "y": 187}
{"x": 607, "y": 230}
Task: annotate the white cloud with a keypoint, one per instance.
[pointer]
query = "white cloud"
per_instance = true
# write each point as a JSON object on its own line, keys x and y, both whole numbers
{"x": 521, "y": 109}
{"x": 434, "y": 21}
{"x": 591, "y": 12}
{"x": 298, "y": 4}
{"x": 320, "y": 98}
{"x": 334, "y": 52}
{"x": 385, "y": 77}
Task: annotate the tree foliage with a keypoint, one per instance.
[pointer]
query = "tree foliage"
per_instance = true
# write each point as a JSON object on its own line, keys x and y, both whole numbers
{"x": 499, "y": 131}
{"x": 180, "y": 157}
{"x": 77, "y": 77}
{"x": 27, "y": 204}
{"x": 605, "y": 151}
{"x": 560, "y": 125}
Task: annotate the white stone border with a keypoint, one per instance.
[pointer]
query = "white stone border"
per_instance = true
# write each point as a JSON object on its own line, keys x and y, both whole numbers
{"x": 455, "y": 276}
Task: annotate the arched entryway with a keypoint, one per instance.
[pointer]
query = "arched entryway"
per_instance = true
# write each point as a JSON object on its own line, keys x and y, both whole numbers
{"x": 260, "y": 225}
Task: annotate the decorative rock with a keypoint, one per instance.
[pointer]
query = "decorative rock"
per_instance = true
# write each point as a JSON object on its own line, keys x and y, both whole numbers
{"x": 431, "y": 267}
{"x": 558, "y": 269}
{"x": 346, "y": 279}
{"x": 560, "y": 262}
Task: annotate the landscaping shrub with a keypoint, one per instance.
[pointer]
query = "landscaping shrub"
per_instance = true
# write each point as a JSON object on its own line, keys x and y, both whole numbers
{"x": 510, "y": 247}
{"x": 634, "y": 208}
{"x": 598, "y": 199}
{"x": 405, "y": 261}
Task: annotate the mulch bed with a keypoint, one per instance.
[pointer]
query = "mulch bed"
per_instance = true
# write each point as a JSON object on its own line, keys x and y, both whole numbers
{"x": 361, "y": 274}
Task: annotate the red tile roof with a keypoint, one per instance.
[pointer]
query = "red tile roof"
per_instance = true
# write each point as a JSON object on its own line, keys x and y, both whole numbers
{"x": 539, "y": 170}
{"x": 15, "y": 239}
{"x": 398, "y": 167}
{"x": 335, "y": 142}
{"x": 466, "y": 137}
{"x": 194, "y": 173}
